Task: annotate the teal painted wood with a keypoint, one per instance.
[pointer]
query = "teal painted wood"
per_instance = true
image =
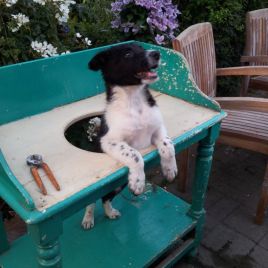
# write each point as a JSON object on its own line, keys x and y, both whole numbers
{"x": 4, "y": 245}
{"x": 82, "y": 198}
{"x": 176, "y": 80}
{"x": 38, "y": 86}
{"x": 46, "y": 236}
{"x": 148, "y": 226}
{"x": 202, "y": 172}
{"x": 11, "y": 189}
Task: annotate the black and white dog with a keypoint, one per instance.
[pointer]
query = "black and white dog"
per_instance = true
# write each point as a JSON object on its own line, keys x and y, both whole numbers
{"x": 132, "y": 119}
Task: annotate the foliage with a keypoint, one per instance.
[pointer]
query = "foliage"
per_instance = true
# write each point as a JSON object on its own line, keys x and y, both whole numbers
{"x": 228, "y": 21}
{"x": 146, "y": 20}
{"x": 50, "y": 27}
{"x": 43, "y": 28}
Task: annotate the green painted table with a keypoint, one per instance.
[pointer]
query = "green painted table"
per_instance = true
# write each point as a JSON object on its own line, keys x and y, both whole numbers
{"x": 39, "y": 100}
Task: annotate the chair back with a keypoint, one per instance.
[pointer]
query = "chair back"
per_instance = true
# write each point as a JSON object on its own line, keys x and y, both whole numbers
{"x": 196, "y": 43}
{"x": 257, "y": 33}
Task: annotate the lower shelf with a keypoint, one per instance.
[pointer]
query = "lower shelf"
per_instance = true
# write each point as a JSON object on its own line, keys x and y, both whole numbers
{"x": 149, "y": 226}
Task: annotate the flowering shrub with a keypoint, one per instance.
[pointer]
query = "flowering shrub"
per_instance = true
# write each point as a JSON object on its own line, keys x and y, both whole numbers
{"x": 151, "y": 20}
{"x": 32, "y": 29}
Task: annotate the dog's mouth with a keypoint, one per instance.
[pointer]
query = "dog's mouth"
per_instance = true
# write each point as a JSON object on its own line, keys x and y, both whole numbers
{"x": 150, "y": 75}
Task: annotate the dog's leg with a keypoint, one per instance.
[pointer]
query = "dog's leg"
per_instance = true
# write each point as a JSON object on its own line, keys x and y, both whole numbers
{"x": 167, "y": 153}
{"x": 88, "y": 220}
{"x": 110, "y": 212}
{"x": 130, "y": 157}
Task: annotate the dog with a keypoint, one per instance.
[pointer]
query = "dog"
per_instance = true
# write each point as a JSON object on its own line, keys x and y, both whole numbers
{"x": 132, "y": 119}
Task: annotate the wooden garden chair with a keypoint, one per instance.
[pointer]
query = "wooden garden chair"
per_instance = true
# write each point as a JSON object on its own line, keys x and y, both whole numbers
{"x": 246, "y": 125}
{"x": 256, "y": 49}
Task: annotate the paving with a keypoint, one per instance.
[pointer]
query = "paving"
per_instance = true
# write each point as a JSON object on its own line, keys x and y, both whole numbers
{"x": 231, "y": 239}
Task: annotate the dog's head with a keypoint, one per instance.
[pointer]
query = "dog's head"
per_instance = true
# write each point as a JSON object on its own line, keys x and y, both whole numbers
{"x": 126, "y": 65}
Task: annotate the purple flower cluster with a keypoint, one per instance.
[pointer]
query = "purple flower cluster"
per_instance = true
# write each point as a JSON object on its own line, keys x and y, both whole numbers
{"x": 161, "y": 18}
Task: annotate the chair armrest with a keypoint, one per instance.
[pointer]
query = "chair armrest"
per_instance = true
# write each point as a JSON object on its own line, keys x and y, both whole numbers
{"x": 245, "y": 70}
{"x": 255, "y": 59}
{"x": 243, "y": 103}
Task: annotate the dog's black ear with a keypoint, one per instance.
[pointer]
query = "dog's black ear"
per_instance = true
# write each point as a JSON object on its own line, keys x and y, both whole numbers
{"x": 98, "y": 61}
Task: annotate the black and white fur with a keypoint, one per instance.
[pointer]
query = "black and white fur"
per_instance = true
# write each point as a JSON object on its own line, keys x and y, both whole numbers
{"x": 132, "y": 119}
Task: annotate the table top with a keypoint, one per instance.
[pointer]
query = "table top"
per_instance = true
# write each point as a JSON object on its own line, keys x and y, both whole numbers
{"x": 75, "y": 168}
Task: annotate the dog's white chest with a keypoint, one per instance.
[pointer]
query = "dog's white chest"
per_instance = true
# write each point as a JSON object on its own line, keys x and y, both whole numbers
{"x": 131, "y": 118}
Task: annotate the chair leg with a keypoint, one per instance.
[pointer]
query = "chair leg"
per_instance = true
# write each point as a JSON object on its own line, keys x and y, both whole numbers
{"x": 183, "y": 170}
{"x": 244, "y": 86}
{"x": 263, "y": 202}
{"x": 4, "y": 245}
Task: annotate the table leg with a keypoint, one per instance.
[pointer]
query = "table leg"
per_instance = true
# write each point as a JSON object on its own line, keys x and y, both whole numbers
{"x": 46, "y": 236}
{"x": 202, "y": 172}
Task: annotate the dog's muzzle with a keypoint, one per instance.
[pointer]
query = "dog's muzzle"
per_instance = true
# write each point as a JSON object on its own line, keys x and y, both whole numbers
{"x": 153, "y": 58}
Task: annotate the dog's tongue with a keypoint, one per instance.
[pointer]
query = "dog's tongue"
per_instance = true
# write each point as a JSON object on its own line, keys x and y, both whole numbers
{"x": 150, "y": 75}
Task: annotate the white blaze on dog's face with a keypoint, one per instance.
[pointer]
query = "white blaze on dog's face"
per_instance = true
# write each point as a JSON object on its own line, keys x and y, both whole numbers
{"x": 127, "y": 65}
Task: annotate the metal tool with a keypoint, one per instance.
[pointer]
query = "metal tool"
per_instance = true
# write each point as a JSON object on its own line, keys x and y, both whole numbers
{"x": 35, "y": 161}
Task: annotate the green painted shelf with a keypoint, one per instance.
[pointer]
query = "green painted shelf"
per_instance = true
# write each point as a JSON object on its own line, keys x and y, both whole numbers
{"x": 148, "y": 227}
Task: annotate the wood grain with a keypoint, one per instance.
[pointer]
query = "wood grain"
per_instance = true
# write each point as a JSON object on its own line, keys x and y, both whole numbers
{"x": 246, "y": 125}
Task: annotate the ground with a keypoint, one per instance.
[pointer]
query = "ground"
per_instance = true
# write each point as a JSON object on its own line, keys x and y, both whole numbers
{"x": 231, "y": 239}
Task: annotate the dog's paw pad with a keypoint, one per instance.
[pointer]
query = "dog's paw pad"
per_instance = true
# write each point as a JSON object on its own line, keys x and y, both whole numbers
{"x": 113, "y": 214}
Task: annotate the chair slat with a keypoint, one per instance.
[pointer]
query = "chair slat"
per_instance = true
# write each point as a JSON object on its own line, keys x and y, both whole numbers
{"x": 243, "y": 127}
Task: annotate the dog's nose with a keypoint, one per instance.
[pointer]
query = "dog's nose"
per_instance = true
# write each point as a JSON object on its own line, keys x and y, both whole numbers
{"x": 155, "y": 55}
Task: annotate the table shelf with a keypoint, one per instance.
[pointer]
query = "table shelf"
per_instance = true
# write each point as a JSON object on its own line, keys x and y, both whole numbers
{"x": 148, "y": 227}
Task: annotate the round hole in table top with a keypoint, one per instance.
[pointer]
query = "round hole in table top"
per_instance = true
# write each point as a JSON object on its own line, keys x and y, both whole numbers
{"x": 77, "y": 134}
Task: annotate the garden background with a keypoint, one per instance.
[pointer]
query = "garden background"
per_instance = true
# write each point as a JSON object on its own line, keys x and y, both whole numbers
{"x": 31, "y": 29}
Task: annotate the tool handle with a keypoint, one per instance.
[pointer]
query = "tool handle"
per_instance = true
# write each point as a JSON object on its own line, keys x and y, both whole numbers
{"x": 50, "y": 176}
{"x": 38, "y": 180}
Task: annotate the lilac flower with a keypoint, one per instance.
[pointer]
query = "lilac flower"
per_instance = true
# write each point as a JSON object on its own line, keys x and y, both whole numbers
{"x": 159, "y": 39}
{"x": 161, "y": 18}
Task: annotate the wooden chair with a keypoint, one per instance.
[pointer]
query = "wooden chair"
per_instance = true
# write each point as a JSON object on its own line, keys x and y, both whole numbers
{"x": 256, "y": 49}
{"x": 246, "y": 124}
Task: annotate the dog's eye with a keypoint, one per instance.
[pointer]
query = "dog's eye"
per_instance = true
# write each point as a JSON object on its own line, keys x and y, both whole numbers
{"x": 129, "y": 54}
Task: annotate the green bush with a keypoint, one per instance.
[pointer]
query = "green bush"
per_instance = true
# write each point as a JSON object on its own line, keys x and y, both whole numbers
{"x": 228, "y": 21}
{"x": 90, "y": 18}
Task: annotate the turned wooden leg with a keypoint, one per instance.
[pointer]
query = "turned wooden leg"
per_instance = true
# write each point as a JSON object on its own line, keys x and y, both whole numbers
{"x": 46, "y": 236}
{"x": 202, "y": 172}
{"x": 263, "y": 202}
{"x": 183, "y": 169}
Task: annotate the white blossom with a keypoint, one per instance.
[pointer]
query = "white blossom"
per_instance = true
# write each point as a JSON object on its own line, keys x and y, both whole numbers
{"x": 63, "y": 15}
{"x": 20, "y": 19}
{"x": 65, "y": 52}
{"x": 45, "y": 49}
{"x": 41, "y": 2}
{"x": 84, "y": 40}
{"x": 10, "y": 3}
{"x": 88, "y": 42}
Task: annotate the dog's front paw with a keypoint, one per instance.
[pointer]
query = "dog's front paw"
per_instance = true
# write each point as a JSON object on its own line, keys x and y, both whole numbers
{"x": 169, "y": 168}
{"x": 136, "y": 181}
{"x": 88, "y": 222}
